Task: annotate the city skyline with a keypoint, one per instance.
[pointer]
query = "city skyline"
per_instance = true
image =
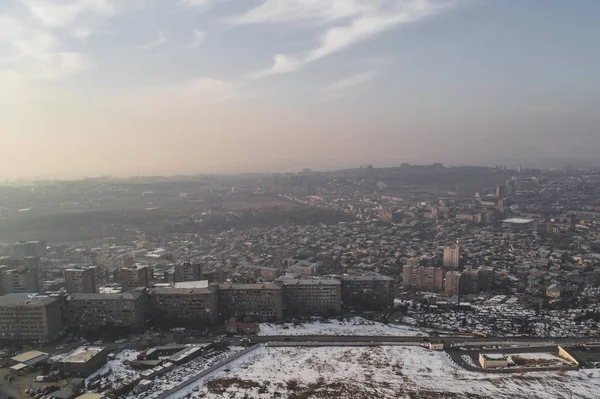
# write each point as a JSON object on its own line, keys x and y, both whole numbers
{"x": 105, "y": 87}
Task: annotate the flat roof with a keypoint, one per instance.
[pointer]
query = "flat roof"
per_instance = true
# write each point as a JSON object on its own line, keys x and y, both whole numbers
{"x": 30, "y": 300}
{"x": 517, "y": 221}
{"x": 18, "y": 367}
{"x": 192, "y": 284}
{"x": 82, "y": 354}
{"x": 367, "y": 278}
{"x": 494, "y": 356}
{"x": 184, "y": 353}
{"x": 28, "y": 356}
{"x": 104, "y": 297}
{"x": 91, "y": 396}
{"x": 266, "y": 286}
{"x": 182, "y": 291}
{"x": 310, "y": 282}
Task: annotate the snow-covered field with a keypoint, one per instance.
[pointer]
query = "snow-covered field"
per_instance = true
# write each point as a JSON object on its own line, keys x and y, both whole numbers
{"x": 352, "y": 326}
{"x": 378, "y": 372}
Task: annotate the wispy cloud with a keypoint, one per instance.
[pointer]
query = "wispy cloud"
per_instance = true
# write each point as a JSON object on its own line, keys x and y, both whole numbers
{"x": 195, "y": 3}
{"x": 363, "y": 23}
{"x": 277, "y": 11}
{"x": 352, "y": 81}
{"x": 159, "y": 41}
{"x": 53, "y": 13}
{"x": 197, "y": 38}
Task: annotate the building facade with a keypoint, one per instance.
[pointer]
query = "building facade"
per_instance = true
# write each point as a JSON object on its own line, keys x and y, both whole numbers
{"x": 451, "y": 257}
{"x": 134, "y": 277}
{"x": 29, "y": 319}
{"x": 182, "y": 307}
{"x": 367, "y": 292}
{"x": 453, "y": 283}
{"x": 188, "y": 271}
{"x": 422, "y": 278}
{"x": 22, "y": 280}
{"x": 250, "y": 302}
{"x": 90, "y": 312}
{"x": 312, "y": 297}
{"x": 81, "y": 280}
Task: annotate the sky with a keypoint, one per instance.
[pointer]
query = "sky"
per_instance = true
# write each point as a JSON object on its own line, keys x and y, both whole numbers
{"x": 163, "y": 87}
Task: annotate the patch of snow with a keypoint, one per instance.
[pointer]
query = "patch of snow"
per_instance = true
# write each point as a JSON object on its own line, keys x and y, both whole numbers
{"x": 354, "y": 326}
{"x": 384, "y": 372}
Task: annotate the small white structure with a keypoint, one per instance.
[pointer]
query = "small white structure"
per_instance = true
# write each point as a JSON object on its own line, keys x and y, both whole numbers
{"x": 436, "y": 346}
{"x": 492, "y": 360}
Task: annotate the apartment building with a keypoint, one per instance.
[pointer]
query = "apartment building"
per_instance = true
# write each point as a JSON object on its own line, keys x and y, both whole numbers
{"x": 80, "y": 280}
{"x": 422, "y": 278}
{"x": 454, "y": 283}
{"x": 183, "y": 307}
{"x": 312, "y": 297}
{"x": 26, "y": 318}
{"x": 252, "y": 302}
{"x": 188, "y": 271}
{"x": 367, "y": 292}
{"x": 452, "y": 257}
{"x": 90, "y": 312}
{"x": 21, "y": 280}
{"x": 134, "y": 277}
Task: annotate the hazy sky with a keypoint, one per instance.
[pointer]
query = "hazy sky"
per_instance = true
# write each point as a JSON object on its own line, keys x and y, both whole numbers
{"x": 91, "y": 87}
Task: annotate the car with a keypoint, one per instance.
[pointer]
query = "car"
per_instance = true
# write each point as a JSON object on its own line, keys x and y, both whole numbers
{"x": 121, "y": 341}
{"x": 60, "y": 347}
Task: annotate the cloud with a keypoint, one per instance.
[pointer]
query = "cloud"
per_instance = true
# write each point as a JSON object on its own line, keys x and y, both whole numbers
{"x": 277, "y": 11}
{"x": 195, "y": 3}
{"x": 159, "y": 41}
{"x": 352, "y": 81}
{"x": 37, "y": 35}
{"x": 198, "y": 38}
{"x": 363, "y": 22}
{"x": 283, "y": 64}
{"x": 55, "y": 14}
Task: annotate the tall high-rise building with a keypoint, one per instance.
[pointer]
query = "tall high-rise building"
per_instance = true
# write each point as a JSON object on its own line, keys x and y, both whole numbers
{"x": 470, "y": 282}
{"x": 21, "y": 280}
{"x": 81, "y": 280}
{"x": 486, "y": 278}
{"x": 453, "y": 284}
{"x": 422, "y": 278}
{"x": 134, "y": 277}
{"x": 188, "y": 271}
{"x": 452, "y": 256}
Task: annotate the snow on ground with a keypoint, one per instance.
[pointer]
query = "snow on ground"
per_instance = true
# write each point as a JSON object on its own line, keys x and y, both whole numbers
{"x": 382, "y": 372}
{"x": 539, "y": 356}
{"x": 117, "y": 368}
{"x": 183, "y": 373}
{"x": 351, "y": 326}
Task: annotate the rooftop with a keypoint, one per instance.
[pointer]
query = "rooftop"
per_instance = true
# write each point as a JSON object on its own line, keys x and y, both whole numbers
{"x": 266, "y": 286}
{"x": 192, "y": 284}
{"x": 28, "y": 356}
{"x": 33, "y": 300}
{"x": 105, "y": 297}
{"x": 82, "y": 354}
{"x": 367, "y": 278}
{"x": 517, "y": 221}
{"x": 181, "y": 291}
{"x": 310, "y": 282}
